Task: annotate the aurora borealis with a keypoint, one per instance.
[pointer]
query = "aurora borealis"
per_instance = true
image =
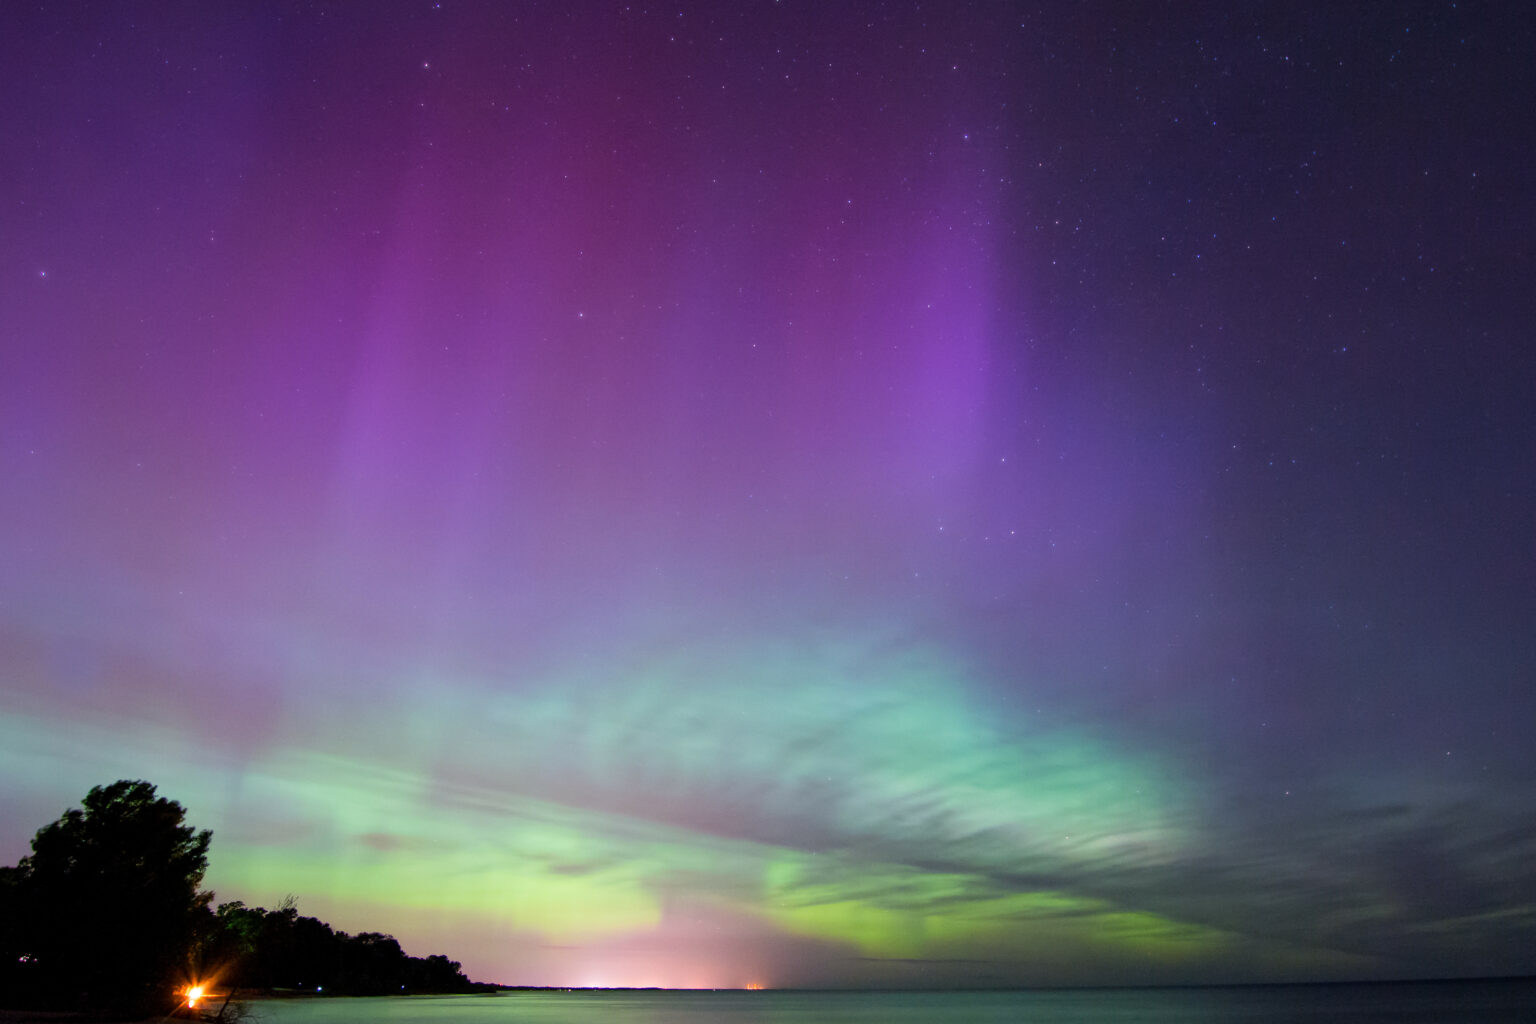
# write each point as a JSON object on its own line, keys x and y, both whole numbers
{"x": 783, "y": 493}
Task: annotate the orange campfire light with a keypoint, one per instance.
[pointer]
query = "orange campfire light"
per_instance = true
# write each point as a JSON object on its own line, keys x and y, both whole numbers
{"x": 193, "y": 995}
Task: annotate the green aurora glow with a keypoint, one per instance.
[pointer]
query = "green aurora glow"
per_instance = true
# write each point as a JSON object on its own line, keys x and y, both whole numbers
{"x": 575, "y": 813}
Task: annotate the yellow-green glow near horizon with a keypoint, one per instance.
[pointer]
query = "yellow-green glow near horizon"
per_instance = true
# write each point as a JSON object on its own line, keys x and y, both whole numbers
{"x": 879, "y": 813}
{"x": 896, "y": 911}
{"x": 614, "y": 824}
{"x": 587, "y": 822}
{"x": 580, "y": 812}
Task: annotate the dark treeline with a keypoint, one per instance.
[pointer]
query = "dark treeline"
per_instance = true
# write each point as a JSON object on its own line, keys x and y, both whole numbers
{"x": 108, "y": 913}
{"x": 278, "y": 949}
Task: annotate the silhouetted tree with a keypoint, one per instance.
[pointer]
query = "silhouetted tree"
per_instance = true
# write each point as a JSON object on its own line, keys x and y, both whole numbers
{"x": 373, "y": 964}
{"x": 105, "y": 912}
{"x": 278, "y": 949}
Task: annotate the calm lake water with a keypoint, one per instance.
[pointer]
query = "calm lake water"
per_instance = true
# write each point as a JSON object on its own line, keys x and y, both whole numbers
{"x": 1502, "y": 1001}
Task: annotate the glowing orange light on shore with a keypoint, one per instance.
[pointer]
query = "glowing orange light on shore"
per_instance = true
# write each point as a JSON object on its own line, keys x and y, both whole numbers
{"x": 193, "y": 995}
{"x": 754, "y": 986}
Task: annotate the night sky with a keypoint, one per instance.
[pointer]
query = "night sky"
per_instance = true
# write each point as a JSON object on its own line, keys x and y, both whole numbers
{"x": 790, "y": 493}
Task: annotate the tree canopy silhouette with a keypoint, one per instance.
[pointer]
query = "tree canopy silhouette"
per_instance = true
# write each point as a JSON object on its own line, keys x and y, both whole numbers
{"x": 108, "y": 913}
{"x": 104, "y": 913}
{"x": 279, "y": 949}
